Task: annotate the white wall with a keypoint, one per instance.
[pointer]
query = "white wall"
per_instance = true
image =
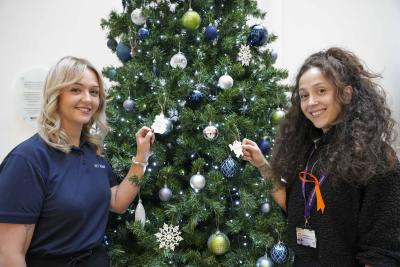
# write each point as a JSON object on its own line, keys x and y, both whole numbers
{"x": 38, "y": 33}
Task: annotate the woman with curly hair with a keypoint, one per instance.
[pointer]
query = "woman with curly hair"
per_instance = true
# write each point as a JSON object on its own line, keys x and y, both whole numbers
{"x": 56, "y": 188}
{"x": 334, "y": 171}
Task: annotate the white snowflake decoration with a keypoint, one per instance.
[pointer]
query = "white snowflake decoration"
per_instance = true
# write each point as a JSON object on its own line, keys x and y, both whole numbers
{"x": 160, "y": 124}
{"x": 236, "y": 147}
{"x": 244, "y": 55}
{"x": 169, "y": 236}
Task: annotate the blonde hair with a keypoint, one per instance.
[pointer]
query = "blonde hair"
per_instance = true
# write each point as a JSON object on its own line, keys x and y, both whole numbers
{"x": 64, "y": 73}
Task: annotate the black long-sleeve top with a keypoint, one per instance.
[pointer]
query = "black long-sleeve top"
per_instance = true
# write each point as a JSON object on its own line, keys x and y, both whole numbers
{"x": 360, "y": 225}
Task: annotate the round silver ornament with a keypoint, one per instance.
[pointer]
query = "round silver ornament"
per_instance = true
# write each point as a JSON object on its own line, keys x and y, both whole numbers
{"x": 266, "y": 207}
{"x": 264, "y": 261}
{"x": 178, "y": 61}
{"x": 129, "y": 104}
{"x": 165, "y": 194}
{"x": 197, "y": 181}
{"x": 210, "y": 132}
{"x": 225, "y": 81}
{"x": 137, "y": 17}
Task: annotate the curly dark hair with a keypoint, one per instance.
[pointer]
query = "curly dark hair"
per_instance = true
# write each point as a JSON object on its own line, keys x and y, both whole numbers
{"x": 360, "y": 146}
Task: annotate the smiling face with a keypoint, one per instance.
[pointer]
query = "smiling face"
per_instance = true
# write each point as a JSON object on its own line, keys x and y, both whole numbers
{"x": 79, "y": 102}
{"x": 318, "y": 99}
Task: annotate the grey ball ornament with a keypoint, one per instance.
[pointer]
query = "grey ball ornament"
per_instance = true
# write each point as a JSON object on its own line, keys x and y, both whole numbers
{"x": 129, "y": 104}
{"x": 165, "y": 194}
{"x": 266, "y": 207}
{"x": 264, "y": 261}
{"x": 197, "y": 181}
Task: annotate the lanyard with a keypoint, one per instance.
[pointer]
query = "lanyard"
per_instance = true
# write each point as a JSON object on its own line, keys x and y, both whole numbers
{"x": 307, "y": 177}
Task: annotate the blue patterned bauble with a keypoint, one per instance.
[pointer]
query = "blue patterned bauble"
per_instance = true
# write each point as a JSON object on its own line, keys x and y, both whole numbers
{"x": 264, "y": 261}
{"x": 279, "y": 253}
{"x": 111, "y": 73}
{"x": 143, "y": 33}
{"x": 123, "y": 52}
{"x": 211, "y": 33}
{"x": 258, "y": 35}
{"x": 129, "y": 105}
{"x": 264, "y": 146}
{"x": 229, "y": 168}
{"x": 112, "y": 43}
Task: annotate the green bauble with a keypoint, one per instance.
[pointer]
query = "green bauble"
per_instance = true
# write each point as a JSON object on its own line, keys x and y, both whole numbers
{"x": 218, "y": 243}
{"x": 277, "y": 116}
{"x": 191, "y": 20}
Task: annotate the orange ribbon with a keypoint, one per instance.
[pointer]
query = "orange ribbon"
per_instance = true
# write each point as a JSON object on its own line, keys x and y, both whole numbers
{"x": 320, "y": 200}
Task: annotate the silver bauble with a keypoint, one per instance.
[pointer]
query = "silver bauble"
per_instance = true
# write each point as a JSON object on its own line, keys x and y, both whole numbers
{"x": 178, "y": 61}
{"x": 266, "y": 207}
{"x": 197, "y": 181}
{"x": 225, "y": 81}
{"x": 264, "y": 261}
{"x": 137, "y": 17}
{"x": 129, "y": 104}
{"x": 210, "y": 132}
{"x": 165, "y": 194}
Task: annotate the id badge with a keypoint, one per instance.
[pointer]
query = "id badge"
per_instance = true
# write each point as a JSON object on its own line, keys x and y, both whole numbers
{"x": 306, "y": 237}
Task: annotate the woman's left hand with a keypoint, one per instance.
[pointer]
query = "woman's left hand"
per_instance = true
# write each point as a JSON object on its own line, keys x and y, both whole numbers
{"x": 144, "y": 139}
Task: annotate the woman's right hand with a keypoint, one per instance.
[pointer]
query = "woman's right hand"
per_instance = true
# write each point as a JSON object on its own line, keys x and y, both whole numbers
{"x": 252, "y": 153}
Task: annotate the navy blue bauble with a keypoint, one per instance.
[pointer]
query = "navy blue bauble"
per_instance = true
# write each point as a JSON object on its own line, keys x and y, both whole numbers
{"x": 229, "y": 168}
{"x": 211, "y": 33}
{"x": 123, "y": 52}
{"x": 195, "y": 98}
{"x": 112, "y": 43}
{"x": 279, "y": 253}
{"x": 105, "y": 241}
{"x": 264, "y": 146}
{"x": 258, "y": 35}
{"x": 143, "y": 33}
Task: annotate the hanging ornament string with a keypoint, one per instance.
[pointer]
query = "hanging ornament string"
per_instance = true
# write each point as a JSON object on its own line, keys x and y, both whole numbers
{"x": 162, "y": 105}
{"x": 190, "y": 4}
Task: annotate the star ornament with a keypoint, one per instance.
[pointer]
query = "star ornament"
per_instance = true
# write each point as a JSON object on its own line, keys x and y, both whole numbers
{"x": 236, "y": 147}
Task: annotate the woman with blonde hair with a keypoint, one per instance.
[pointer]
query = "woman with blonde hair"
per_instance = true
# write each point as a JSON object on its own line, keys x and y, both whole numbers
{"x": 56, "y": 187}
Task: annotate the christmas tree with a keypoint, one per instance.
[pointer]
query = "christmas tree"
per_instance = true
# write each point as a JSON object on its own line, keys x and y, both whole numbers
{"x": 203, "y": 79}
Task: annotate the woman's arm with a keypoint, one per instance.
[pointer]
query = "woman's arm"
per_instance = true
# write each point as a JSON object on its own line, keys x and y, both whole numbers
{"x": 14, "y": 243}
{"x": 253, "y": 154}
{"x": 123, "y": 194}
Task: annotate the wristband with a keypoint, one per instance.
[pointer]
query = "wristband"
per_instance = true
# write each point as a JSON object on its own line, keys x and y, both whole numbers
{"x": 143, "y": 164}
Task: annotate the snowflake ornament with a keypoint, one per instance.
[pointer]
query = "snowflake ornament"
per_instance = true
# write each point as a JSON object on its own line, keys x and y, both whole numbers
{"x": 161, "y": 124}
{"x": 169, "y": 236}
{"x": 244, "y": 55}
{"x": 236, "y": 147}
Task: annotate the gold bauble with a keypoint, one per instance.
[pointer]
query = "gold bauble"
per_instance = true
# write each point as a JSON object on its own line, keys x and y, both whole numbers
{"x": 218, "y": 243}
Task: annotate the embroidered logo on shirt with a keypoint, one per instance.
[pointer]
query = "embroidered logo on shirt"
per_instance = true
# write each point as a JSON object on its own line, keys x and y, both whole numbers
{"x": 101, "y": 166}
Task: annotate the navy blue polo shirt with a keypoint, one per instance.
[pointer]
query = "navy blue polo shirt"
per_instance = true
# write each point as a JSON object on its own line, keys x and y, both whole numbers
{"x": 67, "y": 196}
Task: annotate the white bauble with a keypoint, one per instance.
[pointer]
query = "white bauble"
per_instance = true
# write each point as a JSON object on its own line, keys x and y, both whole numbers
{"x": 178, "y": 61}
{"x": 197, "y": 181}
{"x": 137, "y": 17}
{"x": 225, "y": 81}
